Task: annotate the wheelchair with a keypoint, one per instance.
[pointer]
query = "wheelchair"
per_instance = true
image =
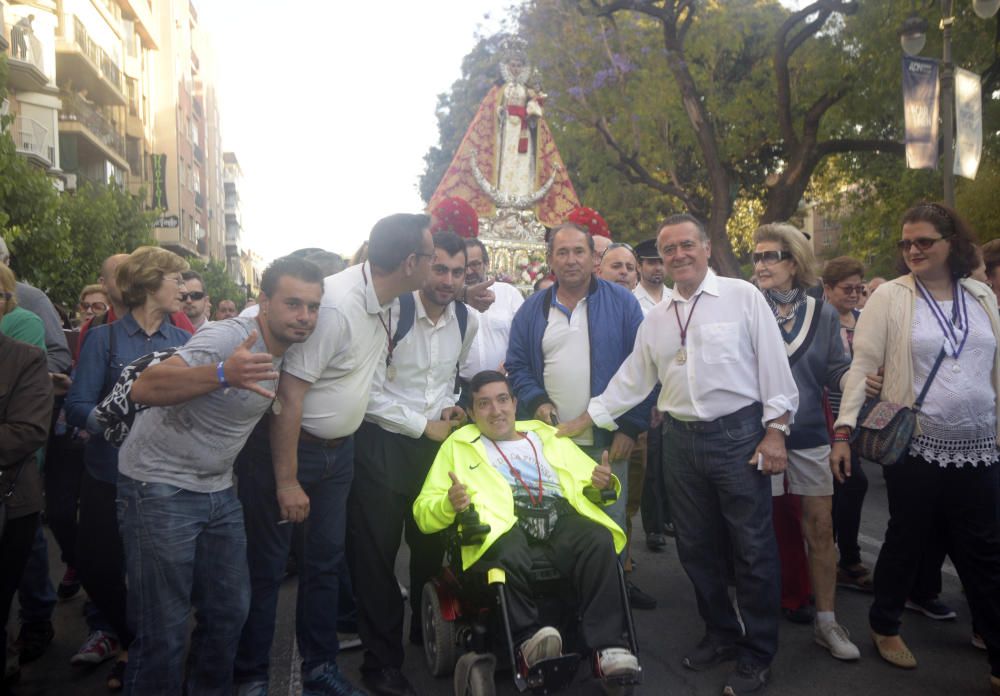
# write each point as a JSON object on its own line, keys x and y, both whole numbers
{"x": 466, "y": 626}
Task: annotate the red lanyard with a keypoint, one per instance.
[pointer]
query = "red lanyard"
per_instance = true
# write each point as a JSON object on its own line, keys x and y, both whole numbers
{"x": 517, "y": 474}
{"x": 388, "y": 328}
{"x": 684, "y": 328}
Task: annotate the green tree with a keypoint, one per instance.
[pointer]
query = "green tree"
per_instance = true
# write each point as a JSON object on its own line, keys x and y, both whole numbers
{"x": 217, "y": 282}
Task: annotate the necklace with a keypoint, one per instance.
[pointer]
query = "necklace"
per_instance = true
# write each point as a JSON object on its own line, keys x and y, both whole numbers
{"x": 682, "y": 354}
{"x": 956, "y": 328}
{"x": 390, "y": 369}
{"x": 517, "y": 474}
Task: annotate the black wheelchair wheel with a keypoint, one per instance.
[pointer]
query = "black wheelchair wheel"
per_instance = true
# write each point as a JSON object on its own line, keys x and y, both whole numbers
{"x": 481, "y": 680}
{"x": 439, "y": 634}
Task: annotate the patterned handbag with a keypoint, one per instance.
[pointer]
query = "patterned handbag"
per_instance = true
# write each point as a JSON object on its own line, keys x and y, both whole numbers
{"x": 885, "y": 429}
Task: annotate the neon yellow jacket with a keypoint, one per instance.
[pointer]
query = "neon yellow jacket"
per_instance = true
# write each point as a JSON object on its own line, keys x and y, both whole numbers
{"x": 489, "y": 491}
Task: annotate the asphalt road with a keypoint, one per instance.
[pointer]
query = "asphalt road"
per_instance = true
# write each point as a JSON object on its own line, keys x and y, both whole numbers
{"x": 948, "y": 663}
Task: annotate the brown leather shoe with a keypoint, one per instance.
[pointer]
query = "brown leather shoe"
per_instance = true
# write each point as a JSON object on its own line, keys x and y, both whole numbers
{"x": 898, "y": 657}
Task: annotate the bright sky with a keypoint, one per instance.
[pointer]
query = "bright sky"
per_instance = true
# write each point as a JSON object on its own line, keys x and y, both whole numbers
{"x": 329, "y": 108}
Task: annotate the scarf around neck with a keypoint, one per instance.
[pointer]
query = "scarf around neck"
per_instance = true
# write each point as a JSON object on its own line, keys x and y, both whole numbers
{"x": 794, "y": 297}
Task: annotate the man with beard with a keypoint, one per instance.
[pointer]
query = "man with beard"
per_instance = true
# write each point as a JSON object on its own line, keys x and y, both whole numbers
{"x": 197, "y": 305}
{"x": 650, "y": 289}
{"x": 411, "y": 411}
{"x": 490, "y": 345}
{"x": 180, "y": 518}
{"x": 226, "y": 310}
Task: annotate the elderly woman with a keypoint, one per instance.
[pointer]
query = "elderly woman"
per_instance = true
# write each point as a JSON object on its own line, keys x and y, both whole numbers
{"x": 785, "y": 268}
{"x": 93, "y": 302}
{"x": 151, "y": 285}
{"x": 947, "y": 481}
{"x": 843, "y": 288}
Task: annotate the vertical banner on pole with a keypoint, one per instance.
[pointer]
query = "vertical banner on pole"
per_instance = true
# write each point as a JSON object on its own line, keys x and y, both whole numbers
{"x": 920, "y": 110}
{"x": 968, "y": 123}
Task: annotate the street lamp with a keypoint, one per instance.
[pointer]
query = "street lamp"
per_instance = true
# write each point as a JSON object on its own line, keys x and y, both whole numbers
{"x": 913, "y": 36}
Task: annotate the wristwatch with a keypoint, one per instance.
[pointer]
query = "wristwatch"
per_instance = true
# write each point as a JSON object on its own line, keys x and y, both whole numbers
{"x": 780, "y": 427}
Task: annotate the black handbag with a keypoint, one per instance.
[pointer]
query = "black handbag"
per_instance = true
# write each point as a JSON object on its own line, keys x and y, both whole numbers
{"x": 885, "y": 429}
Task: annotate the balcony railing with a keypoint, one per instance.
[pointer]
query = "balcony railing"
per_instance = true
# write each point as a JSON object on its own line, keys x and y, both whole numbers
{"x": 4, "y": 41}
{"x": 97, "y": 54}
{"x": 199, "y": 155}
{"x": 199, "y": 200}
{"x": 76, "y": 109}
{"x": 32, "y": 138}
{"x": 25, "y": 47}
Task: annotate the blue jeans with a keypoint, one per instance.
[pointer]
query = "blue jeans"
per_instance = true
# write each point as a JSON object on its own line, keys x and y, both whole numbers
{"x": 325, "y": 475}
{"x": 35, "y": 594}
{"x": 181, "y": 549}
{"x": 722, "y": 512}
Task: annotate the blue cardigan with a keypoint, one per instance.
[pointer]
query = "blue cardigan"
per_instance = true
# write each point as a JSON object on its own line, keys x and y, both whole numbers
{"x": 613, "y": 315}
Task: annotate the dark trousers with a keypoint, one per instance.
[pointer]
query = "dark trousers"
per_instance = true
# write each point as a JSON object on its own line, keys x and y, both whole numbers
{"x": 15, "y": 548}
{"x": 722, "y": 508}
{"x": 100, "y": 554}
{"x": 848, "y": 497}
{"x": 325, "y": 475}
{"x": 961, "y": 503}
{"x": 582, "y": 551}
{"x": 655, "y": 504}
{"x": 63, "y": 475}
{"x": 389, "y": 471}
{"x": 35, "y": 594}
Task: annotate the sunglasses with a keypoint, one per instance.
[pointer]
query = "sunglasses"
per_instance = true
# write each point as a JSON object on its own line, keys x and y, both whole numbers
{"x": 854, "y": 290}
{"x": 6, "y": 296}
{"x": 922, "y": 243}
{"x": 193, "y": 295}
{"x": 96, "y": 306}
{"x": 769, "y": 258}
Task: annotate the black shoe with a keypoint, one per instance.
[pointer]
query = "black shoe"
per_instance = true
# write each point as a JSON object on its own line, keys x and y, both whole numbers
{"x": 932, "y": 608}
{"x": 34, "y": 640}
{"x": 708, "y": 653}
{"x": 803, "y": 615}
{"x": 69, "y": 585}
{"x": 747, "y": 678}
{"x": 416, "y": 631}
{"x": 656, "y": 542}
{"x": 388, "y": 681}
{"x": 638, "y": 599}
{"x": 669, "y": 529}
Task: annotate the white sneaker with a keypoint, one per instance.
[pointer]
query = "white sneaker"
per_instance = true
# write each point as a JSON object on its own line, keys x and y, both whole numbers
{"x": 615, "y": 662}
{"x": 836, "y": 639}
{"x": 544, "y": 645}
{"x": 98, "y": 647}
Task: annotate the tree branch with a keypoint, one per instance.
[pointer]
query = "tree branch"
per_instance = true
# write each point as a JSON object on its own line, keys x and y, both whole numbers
{"x": 639, "y": 174}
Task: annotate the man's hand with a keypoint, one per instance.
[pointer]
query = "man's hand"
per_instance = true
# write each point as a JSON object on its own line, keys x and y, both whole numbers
{"x": 600, "y": 478}
{"x": 244, "y": 369}
{"x": 655, "y": 418}
{"x": 455, "y": 414}
{"x": 873, "y": 384}
{"x": 479, "y": 296}
{"x": 621, "y": 446}
{"x": 439, "y": 430}
{"x": 840, "y": 461}
{"x": 772, "y": 447}
{"x": 60, "y": 383}
{"x": 458, "y": 494}
{"x": 575, "y": 426}
{"x": 293, "y": 502}
{"x": 545, "y": 412}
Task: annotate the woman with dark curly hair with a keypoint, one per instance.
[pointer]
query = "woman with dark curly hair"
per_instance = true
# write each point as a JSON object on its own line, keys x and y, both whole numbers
{"x": 934, "y": 316}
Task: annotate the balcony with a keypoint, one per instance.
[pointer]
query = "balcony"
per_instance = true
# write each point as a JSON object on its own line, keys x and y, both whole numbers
{"x": 80, "y": 118}
{"x": 176, "y": 241}
{"x": 199, "y": 154}
{"x": 25, "y": 61}
{"x": 34, "y": 141}
{"x": 199, "y": 200}
{"x": 81, "y": 60}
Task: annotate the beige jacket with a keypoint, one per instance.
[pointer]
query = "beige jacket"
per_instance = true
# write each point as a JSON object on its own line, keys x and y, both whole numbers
{"x": 882, "y": 339}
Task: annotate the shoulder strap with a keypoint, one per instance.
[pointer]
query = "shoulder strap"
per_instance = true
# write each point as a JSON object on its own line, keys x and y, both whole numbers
{"x": 462, "y": 314}
{"x": 407, "y": 311}
{"x": 930, "y": 378}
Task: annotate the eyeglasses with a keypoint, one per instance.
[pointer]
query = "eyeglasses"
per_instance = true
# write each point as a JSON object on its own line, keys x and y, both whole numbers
{"x": 192, "y": 295}
{"x": 6, "y": 296}
{"x": 922, "y": 243}
{"x": 853, "y": 290}
{"x": 618, "y": 245}
{"x": 96, "y": 306}
{"x": 769, "y": 258}
{"x": 175, "y": 279}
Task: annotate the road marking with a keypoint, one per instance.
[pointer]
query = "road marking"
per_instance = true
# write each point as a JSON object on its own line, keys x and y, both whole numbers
{"x": 295, "y": 670}
{"x": 876, "y": 545}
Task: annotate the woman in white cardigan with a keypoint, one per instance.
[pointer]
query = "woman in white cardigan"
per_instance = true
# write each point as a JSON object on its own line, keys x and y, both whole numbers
{"x": 948, "y": 480}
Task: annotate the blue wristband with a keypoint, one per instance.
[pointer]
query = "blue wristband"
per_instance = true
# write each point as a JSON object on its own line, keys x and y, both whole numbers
{"x": 221, "y": 373}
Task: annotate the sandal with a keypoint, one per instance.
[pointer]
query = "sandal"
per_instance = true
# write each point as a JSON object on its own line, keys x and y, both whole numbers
{"x": 855, "y": 577}
{"x": 116, "y": 677}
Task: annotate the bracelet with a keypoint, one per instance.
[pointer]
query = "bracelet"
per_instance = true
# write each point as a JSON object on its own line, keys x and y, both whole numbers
{"x": 220, "y": 372}
{"x": 288, "y": 488}
{"x": 837, "y": 437}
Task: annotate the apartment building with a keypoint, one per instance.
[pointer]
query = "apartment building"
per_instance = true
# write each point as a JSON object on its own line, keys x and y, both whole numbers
{"x": 232, "y": 183}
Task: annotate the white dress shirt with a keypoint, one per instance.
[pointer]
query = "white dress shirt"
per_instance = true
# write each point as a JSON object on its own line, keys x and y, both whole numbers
{"x": 735, "y": 357}
{"x": 340, "y": 357}
{"x": 490, "y": 347}
{"x": 425, "y": 363}
{"x": 647, "y": 301}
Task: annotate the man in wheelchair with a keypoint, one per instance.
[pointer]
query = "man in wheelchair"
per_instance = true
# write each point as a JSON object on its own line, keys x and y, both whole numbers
{"x": 529, "y": 486}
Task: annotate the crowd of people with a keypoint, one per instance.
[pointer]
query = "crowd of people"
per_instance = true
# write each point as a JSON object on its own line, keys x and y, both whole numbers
{"x": 183, "y": 463}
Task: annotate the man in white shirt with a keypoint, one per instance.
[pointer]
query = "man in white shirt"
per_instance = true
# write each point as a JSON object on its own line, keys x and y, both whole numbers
{"x": 728, "y": 395}
{"x": 490, "y": 345}
{"x": 320, "y": 403}
{"x": 197, "y": 304}
{"x": 411, "y": 411}
{"x": 650, "y": 290}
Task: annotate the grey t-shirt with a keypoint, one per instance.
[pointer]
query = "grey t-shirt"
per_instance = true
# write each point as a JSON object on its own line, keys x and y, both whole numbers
{"x": 193, "y": 445}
